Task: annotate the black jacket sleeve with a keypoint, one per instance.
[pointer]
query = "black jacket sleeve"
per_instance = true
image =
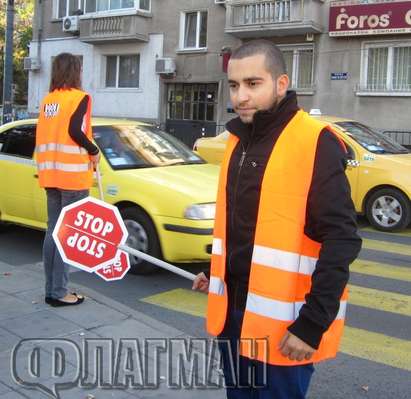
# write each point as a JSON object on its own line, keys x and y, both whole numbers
{"x": 75, "y": 131}
{"x": 330, "y": 220}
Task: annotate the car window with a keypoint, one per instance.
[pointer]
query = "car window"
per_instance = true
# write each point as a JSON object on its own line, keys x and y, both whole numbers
{"x": 372, "y": 140}
{"x": 132, "y": 147}
{"x": 19, "y": 141}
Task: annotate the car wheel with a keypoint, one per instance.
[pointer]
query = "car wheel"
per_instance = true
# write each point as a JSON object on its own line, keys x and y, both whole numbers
{"x": 142, "y": 236}
{"x": 388, "y": 210}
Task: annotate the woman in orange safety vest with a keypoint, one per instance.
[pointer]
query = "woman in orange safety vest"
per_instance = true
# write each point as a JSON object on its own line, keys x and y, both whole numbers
{"x": 65, "y": 156}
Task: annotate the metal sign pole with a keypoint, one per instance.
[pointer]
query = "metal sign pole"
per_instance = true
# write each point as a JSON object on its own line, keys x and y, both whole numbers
{"x": 158, "y": 262}
{"x": 100, "y": 186}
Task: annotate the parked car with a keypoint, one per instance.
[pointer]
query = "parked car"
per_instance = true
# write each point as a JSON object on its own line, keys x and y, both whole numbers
{"x": 165, "y": 192}
{"x": 379, "y": 171}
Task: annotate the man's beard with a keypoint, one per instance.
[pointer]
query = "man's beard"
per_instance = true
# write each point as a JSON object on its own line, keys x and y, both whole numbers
{"x": 272, "y": 108}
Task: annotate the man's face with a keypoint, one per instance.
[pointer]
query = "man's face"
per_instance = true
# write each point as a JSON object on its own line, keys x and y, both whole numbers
{"x": 252, "y": 87}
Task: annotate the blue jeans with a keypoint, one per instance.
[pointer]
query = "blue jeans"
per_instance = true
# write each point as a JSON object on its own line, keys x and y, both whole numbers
{"x": 55, "y": 269}
{"x": 268, "y": 381}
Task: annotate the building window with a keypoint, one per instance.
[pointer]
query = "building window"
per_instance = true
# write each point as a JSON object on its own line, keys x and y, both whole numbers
{"x": 123, "y": 71}
{"x": 196, "y": 102}
{"x": 300, "y": 66}
{"x": 68, "y": 7}
{"x": 92, "y": 6}
{"x": 386, "y": 67}
{"x": 193, "y": 34}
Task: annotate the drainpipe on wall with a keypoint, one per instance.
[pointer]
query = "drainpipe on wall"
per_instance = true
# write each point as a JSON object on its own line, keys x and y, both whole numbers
{"x": 39, "y": 39}
{"x": 8, "y": 65}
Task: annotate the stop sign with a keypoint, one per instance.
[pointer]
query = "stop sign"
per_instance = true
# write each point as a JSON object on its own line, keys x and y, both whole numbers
{"x": 117, "y": 270}
{"x": 88, "y": 232}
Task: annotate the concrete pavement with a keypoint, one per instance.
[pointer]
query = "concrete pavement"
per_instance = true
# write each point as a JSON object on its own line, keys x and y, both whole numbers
{"x": 44, "y": 348}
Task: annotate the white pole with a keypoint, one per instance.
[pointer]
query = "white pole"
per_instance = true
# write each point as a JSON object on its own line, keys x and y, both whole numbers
{"x": 100, "y": 186}
{"x": 158, "y": 262}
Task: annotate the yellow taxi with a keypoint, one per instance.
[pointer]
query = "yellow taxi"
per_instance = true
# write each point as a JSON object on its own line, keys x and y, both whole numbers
{"x": 379, "y": 171}
{"x": 165, "y": 192}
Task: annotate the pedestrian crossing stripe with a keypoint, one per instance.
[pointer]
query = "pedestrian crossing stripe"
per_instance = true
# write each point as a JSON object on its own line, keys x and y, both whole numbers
{"x": 383, "y": 270}
{"x": 364, "y": 344}
{"x": 194, "y": 303}
{"x": 376, "y": 347}
{"x": 386, "y": 246}
{"x": 380, "y": 300}
{"x": 405, "y": 233}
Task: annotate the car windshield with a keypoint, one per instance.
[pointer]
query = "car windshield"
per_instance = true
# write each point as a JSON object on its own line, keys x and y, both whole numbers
{"x": 372, "y": 140}
{"x": 133, "y": 147}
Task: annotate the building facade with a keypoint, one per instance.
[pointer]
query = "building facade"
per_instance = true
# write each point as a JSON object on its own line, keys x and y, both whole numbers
{"x": 164, "y": 60}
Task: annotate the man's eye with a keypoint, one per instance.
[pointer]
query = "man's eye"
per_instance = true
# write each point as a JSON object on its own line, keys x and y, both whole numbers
{"x": 253, "y": 83}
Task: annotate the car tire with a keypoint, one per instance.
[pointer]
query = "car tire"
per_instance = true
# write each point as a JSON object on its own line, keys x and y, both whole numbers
{"x": 388, "y": 209}
{"x": 143, "y": 237}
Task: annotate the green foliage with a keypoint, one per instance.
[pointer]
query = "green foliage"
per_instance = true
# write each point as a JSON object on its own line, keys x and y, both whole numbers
{"x": 23, "y": 20}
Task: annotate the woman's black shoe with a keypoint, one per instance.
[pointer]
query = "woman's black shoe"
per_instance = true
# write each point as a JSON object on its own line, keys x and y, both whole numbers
{"x": 57, "y": 302}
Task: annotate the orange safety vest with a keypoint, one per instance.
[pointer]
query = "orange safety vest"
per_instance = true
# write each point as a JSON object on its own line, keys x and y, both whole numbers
{"x": 61, "y": 162}
{"x": 283, "y": 259}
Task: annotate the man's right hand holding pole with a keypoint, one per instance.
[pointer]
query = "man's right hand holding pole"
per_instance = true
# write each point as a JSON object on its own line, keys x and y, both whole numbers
{"x": 201, "y": 283}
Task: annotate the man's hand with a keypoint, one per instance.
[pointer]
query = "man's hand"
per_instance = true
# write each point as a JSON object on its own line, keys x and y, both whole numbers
{"x": 201, "y": 283}
{"x": 95, "y": 159}
{"x": 294, "y": 348}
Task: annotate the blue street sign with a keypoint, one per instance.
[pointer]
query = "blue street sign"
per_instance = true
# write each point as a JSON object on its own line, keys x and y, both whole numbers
{"x": 339, "y": 75}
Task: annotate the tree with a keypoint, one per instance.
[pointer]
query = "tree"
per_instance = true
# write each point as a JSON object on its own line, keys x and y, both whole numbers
{"x": 23, "y": 20}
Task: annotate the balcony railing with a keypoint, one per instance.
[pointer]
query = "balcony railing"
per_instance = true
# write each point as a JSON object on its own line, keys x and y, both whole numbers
{"x": 107, "y": 26}
{"x": 253, "y": 18}
{"x": 267, "y": 12}
{"x": 126, "y": 28}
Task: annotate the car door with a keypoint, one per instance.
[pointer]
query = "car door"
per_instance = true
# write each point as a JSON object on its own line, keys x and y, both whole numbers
{"x": 20, "y": 194}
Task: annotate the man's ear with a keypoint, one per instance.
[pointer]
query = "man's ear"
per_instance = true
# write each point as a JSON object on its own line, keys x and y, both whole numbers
{"x": 282, "y": 85}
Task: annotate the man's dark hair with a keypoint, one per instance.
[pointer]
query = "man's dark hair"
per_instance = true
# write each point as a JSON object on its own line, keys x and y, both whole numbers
{"x": 274, "y": 58}
{"x": 65, "y": 72}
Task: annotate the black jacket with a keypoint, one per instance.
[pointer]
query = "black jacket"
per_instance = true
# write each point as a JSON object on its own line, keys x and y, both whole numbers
{"x": 75, "y": 128}
{"x": 330, "y": 217}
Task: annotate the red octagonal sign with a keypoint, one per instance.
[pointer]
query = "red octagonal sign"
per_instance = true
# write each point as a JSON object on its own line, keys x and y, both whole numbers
{"x": 88, "y": 232}
{"x": 117, "y": 270}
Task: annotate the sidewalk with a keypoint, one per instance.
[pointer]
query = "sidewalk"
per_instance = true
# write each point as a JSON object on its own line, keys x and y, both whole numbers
{"x": 24, "y": 315}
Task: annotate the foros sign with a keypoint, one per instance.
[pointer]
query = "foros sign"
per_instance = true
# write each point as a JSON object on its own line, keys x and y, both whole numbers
{"x": 88, "y": 233}
{"x": 353, "y": 18}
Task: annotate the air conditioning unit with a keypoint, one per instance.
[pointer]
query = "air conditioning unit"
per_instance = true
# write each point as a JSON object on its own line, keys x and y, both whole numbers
{"x": 31, "y": 64}
{"x": 71, "y": 23}
{"x": 165, "y": 65}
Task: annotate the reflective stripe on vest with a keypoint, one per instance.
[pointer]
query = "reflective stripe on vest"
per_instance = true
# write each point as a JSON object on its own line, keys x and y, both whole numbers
{"x": 216, "y": 286}
{"x": 67, "y": 149}
{"x": 279, "y": 310}
{"x": 64, "y": 167}
{"x": 217, "y": 248}
{"x": 283, "y": 260}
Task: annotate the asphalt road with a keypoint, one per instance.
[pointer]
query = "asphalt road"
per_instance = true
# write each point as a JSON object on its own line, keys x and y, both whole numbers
{"x": 375, "y": 358}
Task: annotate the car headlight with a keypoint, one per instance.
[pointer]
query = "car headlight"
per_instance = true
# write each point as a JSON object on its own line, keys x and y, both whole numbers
{"x": 200, "y": 211}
